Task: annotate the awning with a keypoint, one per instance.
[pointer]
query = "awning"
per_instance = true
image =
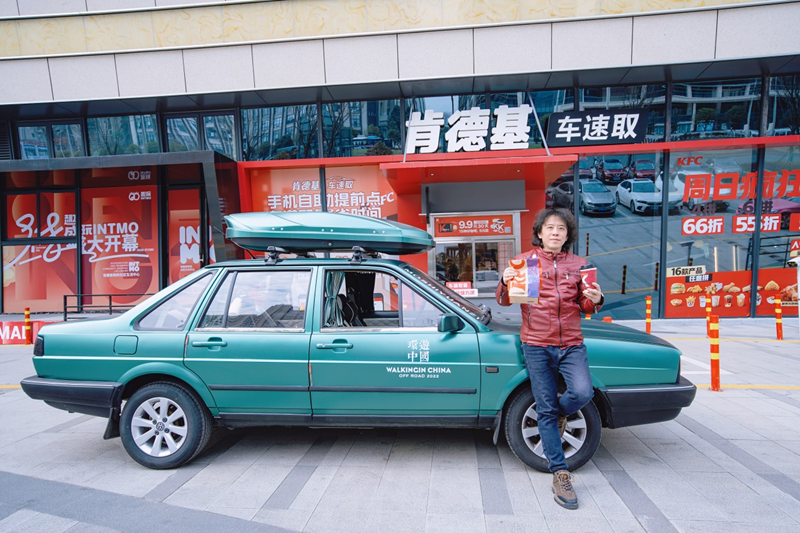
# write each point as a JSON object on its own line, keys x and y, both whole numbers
{"x": 537, "y": 171}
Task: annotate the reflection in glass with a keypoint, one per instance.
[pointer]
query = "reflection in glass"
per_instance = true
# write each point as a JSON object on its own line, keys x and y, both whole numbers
{"x": 651, "y": 97}
{"x": 33, "y": 142}
{"x": 546, "y": 102}
{"x": 723, "y": 108}
{"x": 182, "y": 134}
{"x": 710, "y": 231}
{"x": 361, "y": 128}
{"x": 780, "y": 226}
{"x": 784, "y": 111}
{"x": 218, "y": 131}
{"x": 131, "y": 134}
{"x": 67, "y": 140}
{"x": 279, "y": 133}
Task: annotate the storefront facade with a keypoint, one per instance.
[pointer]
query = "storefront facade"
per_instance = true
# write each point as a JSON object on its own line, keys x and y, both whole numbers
{"x": 667, "y": 159}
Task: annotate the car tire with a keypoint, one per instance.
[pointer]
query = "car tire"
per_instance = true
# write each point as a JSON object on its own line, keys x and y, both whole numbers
{"x": 151, "y": 442}
{"x": 583, "y": 209}
{"x": 632, "y": 207}
{"x": 581, "y": 438}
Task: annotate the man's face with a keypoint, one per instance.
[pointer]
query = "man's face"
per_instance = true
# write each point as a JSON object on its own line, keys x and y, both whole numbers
{"x": 554, "y": 234}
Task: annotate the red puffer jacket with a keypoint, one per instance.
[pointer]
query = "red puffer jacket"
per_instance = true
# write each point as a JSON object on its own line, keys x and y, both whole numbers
{"x": 556, "y": 319}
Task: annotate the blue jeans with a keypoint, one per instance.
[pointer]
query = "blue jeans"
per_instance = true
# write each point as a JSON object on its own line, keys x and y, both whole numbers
{"x": 544, "y": 363}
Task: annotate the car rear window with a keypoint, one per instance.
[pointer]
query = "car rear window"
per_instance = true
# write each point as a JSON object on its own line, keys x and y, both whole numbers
{"x": 172, "y": 313}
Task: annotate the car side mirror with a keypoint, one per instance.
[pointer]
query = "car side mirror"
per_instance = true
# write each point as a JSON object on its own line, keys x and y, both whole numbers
{"x": 450, "y": 323}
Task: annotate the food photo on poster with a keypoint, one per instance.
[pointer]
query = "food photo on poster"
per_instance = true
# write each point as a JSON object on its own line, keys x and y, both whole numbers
{"x": 728, "y": 293}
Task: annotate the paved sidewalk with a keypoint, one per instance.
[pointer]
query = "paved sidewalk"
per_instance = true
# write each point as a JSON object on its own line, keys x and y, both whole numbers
{"x": 729, "y": 463}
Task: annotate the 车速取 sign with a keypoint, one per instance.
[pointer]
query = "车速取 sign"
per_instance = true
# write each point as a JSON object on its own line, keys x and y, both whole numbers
{"x": 586, "y": 128}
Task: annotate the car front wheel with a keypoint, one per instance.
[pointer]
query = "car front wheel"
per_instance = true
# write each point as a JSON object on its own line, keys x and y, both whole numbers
{"x": 579, "y": 442}
{"x": 164, "y": 425}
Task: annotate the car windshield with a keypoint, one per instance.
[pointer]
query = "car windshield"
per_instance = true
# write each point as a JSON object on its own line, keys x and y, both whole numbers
{"x": 483, "y": 315}
{"x": 613, "y": 165}
{"x": 644, "y": 186}
{"x": 647, "y": 165}
{"x": 593, "y": 186}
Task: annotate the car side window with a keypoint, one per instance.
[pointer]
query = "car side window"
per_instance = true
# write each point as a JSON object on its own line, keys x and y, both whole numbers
{"x": 260, "y": 299}
{"x": 373, "y": 299}
{"x": 171, "y": 314}
{"x": 418, "y": 311}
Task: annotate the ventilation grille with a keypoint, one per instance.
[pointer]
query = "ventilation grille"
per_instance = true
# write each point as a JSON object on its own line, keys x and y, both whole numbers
{"x": 5, "y": 142}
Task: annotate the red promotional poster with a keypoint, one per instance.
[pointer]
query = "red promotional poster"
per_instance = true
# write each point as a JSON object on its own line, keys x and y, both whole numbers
{"x": 473, "y": 226}
{"x": 119, "y": 241}
{"x": 184, "y": 233}
{"x": 38, "y": 276}
{"x": 354, "y": 190}
{"x": 730, "y": 293}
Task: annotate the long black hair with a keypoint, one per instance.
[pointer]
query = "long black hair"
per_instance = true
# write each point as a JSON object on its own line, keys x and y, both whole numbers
{"x": 561, "y": 213}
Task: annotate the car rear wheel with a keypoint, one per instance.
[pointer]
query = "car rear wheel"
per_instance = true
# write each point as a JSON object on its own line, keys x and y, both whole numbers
{"x": 579, "y": 442}
{"x": 164, "y": 425}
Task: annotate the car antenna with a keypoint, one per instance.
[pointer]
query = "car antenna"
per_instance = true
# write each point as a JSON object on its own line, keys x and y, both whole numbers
{"x": 274, "y": 255}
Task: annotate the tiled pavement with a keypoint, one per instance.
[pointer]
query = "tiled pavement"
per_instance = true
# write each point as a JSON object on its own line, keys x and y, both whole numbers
{"x": 730, "y": 463}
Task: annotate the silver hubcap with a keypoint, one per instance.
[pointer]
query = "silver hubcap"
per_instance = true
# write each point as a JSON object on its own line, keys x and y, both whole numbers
{"x": 159, "y": 427}
{"x": 572, "y": 441}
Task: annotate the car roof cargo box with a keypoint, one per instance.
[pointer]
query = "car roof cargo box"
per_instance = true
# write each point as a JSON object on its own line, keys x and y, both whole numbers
{"x": 309, "y": 231}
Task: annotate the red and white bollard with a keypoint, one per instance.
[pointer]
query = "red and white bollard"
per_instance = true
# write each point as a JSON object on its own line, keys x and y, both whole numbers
{"x": 714, "y": 329}
{"x": 778, "y": 319}
{"x": 708, "y": 318}
{"x": 28, "y": 329}
{"x": 648, "y": 313}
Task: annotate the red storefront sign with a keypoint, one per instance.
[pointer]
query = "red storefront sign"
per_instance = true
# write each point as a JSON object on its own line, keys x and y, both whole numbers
{"x": 464, "y": 288}
{"x": 733, "y": 186}
{"x": 747, "y": 223}
{"x": 14, "y": 332}
{"x": 473, "y": 226}
{"x": 794, "y": 222}
{"x": 703, "y": 226}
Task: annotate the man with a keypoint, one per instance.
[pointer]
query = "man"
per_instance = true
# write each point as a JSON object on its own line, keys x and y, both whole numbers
{"x": 551, "y": 337}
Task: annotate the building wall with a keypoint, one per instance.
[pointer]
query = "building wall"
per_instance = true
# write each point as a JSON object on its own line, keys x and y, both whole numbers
{"x": 621, "y": 41}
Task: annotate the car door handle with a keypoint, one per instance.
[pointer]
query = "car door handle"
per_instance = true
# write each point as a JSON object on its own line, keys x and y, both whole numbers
{"x": 209, "y": 344}
{"x": 334, "y": 345}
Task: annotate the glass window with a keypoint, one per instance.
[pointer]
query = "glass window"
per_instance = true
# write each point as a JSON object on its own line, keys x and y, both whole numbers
{"x": 619, "y": 208}
{"x": 709, "y": 239}
{"x": 448, "y": 106}
{"x": 214, "y": 316}
{"x": 361, "y": 299}
{"x": 218, "y": 131}
{"x": 131, "y": 134}
{"x": 275, "y": 299}
{"x": 67, "y": 140}
{"x": 182, "y": 134}
{"x": 780, "y": 226}
{"x": 784, "y": 108}
{"x": 651, "y": 97}
{"x": 171, "y": 315}
{"x": 418, "y": 311}
{"x": 546, "y": 102}
{"x": 33, "y": 142}
{"x": 713, "y": 109}
{"x": 279, "y": 133}
{"x": 21, "y": 220}
{"x": 361, "y": 128}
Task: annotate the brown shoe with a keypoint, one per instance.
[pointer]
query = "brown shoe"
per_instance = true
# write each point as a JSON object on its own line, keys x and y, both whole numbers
{"x": 563, "y": 493}
{"x": 562, "y": 425}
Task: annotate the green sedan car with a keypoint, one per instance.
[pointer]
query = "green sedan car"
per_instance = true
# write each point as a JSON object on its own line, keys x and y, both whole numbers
{"x": 314, "y": 341}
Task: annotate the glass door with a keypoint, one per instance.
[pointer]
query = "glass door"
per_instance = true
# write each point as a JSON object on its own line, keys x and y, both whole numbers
{"x": 476, "y": 263}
